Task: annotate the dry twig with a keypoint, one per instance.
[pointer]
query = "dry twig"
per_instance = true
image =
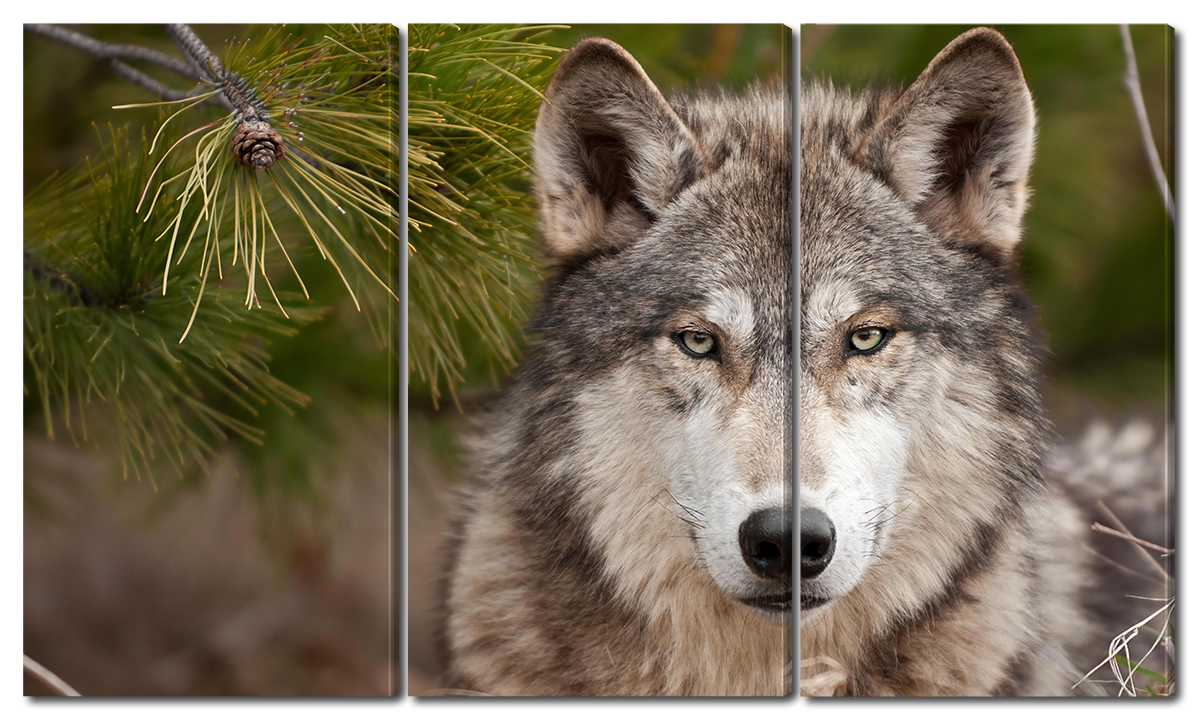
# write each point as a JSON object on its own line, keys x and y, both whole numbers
{"x": 49, "y": 679}
{"x": 1134, "y": 85}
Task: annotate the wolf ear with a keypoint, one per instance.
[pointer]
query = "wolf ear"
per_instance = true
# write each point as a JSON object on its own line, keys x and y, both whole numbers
{"x": 609, "y": 152}
{"x": 958, "y": 143}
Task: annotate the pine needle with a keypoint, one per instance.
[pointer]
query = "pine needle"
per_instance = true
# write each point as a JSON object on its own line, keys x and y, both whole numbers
{"x": 473, "y": 98}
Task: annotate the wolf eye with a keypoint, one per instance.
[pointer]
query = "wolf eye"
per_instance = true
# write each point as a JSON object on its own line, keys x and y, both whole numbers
{"x": 867, "y": 339}
{"x": 697, "y": 344}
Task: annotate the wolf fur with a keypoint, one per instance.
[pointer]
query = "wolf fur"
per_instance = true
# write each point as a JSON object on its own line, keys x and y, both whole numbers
{"x": 598, "y": 551}
{"x": 952, "y": 562}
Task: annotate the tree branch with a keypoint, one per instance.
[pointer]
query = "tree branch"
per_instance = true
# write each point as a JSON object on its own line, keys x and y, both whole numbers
{"x": 63, "y": 282}
{"x": 197, "y": 53}
{"x": 108, "y": 51}
{"x": 138, "y": 77}
{"x": 1134, "y": 85}
{"x": 114, "y": 53}
{"x": 200, "y": 64}
{"x": 49, "y": 679}
{"x": 204, "y": 61}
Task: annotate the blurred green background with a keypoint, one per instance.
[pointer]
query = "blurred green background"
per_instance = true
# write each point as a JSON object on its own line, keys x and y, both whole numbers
{"x": 682, "y": 57}
{"x": 1098, "y": 256}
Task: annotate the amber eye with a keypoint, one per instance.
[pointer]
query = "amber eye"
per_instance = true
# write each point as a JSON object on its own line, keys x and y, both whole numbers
{"x": 867, "y": 339}
{"x": 697, "y": 343}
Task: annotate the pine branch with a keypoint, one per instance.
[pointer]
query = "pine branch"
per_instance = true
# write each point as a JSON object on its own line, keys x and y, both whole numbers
{"x": 199, "y": 64}
{"x": 202, "y": 60}
{"x": 474, "y": 92}
{"x": 107, "y": 51}
{"x": 336, "y": 98}
{"x": 114, "y": 54}
{"x": 70, "y": 285}
{"x": 170, "y": 373}
{"x": 92, "y": 335}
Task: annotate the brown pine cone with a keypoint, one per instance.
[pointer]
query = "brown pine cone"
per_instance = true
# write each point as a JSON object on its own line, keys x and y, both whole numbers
{"x": 256, "y": 145}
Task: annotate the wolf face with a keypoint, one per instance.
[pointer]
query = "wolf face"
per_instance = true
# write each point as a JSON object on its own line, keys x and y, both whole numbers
{"x": 668, "y": 318}
{"x": 920, "y": 416}
{"x": 628, "y": 527}
{"x": 925, "y": 556}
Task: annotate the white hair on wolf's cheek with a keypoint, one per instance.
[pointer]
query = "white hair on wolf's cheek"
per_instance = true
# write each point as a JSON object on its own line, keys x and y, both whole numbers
{"x": 624, "y": 451}
{"x": 628, "y": 448}
{"x": 865, "y": 468}
{"x": 648, "y": 474}
{"x": 709, "y": 482}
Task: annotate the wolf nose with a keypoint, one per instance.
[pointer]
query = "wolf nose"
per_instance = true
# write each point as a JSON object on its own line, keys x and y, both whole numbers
{"x": 766, "y": 541}
{"x": 817, "y": 541}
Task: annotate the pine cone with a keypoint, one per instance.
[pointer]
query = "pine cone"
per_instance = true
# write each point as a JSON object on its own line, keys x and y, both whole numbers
{"x": 256, "y": 145}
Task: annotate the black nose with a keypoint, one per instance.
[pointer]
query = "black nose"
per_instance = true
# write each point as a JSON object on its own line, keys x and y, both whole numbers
{"x": 817, "y": 541}
{"x": 766, "y": 541}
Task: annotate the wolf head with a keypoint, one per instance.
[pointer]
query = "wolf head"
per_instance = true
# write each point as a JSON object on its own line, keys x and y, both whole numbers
{"x": 659, "y": 376}
{"x": 920, "y": 415}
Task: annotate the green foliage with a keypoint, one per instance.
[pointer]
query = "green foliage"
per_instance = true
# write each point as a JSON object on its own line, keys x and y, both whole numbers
{"x": 97, "y": 328}
{"x": 473, "y": 97}
{"x": 118, "y": 253}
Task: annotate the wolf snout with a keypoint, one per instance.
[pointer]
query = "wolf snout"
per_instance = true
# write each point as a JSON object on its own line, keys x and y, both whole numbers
{"x": 817, "y": 542}
{"x": 766, "y": 541}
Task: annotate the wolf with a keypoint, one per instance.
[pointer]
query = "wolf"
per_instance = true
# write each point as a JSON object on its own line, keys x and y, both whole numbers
{"x": 940, "y": 554}
{"x": 627, "y": 524}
